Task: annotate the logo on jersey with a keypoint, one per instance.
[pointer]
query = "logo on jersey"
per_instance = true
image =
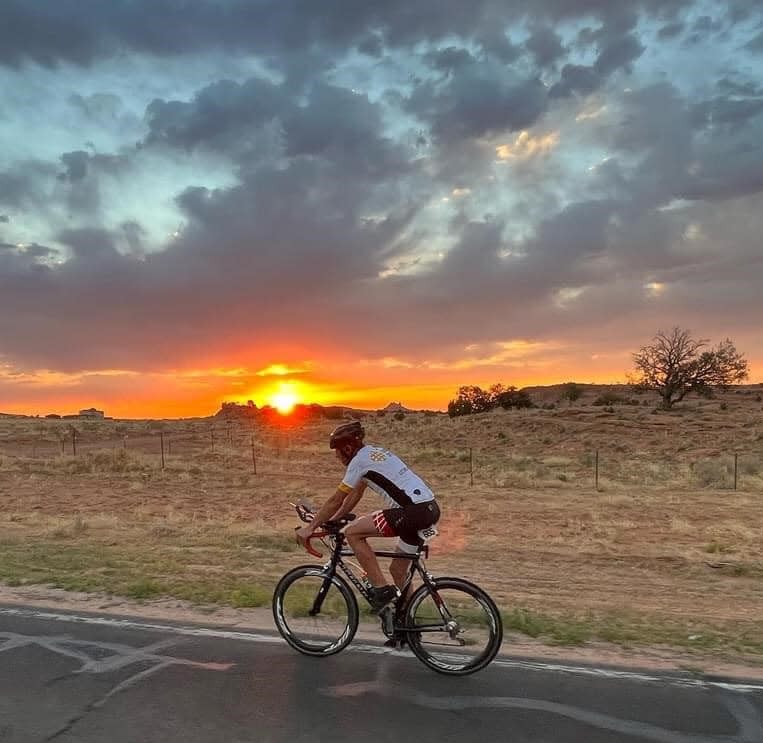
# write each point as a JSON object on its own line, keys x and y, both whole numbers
{"x": 378, "y": 456}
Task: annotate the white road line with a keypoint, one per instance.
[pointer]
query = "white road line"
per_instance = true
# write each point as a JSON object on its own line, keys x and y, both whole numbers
{"x": 524, "y": 665}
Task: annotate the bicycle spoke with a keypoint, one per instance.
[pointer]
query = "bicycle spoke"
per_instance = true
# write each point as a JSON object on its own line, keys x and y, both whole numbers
{"x": 458, "y": 633}
{"x": 320, "y": 632}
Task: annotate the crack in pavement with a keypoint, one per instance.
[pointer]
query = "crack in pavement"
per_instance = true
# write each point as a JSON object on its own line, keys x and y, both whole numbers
{"x": 744, "y": 712}
{"x": 118, "y": 656}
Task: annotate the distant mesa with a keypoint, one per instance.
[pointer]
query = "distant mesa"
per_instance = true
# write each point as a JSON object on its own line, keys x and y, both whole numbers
{"x": 312, "y": 411}
{"x": 86, "y": 414}
{"x": 396, "y": 407}
{"x": 92, "y": 413}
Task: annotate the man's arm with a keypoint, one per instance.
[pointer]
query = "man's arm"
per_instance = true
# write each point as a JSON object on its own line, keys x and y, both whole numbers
{"x": 328, "y": 509}
{"x": 324, "y": 514}
{"x": 350, "y": 500}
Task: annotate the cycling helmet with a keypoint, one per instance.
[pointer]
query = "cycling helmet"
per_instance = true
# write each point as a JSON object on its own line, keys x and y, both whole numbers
{"x": 347, "y": 433}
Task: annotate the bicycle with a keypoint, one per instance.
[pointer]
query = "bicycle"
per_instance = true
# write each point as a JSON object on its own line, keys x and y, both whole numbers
{"x": 450, "y": 624}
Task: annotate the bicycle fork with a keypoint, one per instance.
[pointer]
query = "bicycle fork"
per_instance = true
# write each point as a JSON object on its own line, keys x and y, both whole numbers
{"x": 452, "y": 627}
{"x": 329, "y": 570}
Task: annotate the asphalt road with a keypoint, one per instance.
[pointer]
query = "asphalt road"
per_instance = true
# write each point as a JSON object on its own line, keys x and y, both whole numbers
{"x": 93, "y": 679}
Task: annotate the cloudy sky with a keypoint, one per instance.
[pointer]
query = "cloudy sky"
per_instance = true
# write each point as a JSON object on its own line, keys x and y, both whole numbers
{"x": 369, "y": 200}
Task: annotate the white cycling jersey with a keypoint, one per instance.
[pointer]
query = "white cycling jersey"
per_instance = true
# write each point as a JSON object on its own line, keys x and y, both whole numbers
{"x": 386, "y": 474}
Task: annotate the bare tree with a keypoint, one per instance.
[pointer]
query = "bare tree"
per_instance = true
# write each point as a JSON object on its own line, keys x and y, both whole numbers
{"x": 674, "y": 364}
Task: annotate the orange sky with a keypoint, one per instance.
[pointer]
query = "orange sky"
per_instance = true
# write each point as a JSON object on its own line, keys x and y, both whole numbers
{"x": 192, "y": 393}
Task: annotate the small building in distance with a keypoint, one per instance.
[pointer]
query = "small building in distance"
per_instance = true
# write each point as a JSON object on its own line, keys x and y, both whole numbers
{"x": 92, "y": 413}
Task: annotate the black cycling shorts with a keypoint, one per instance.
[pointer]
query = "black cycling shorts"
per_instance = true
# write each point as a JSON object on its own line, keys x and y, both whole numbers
{"x": 406, "y": 522}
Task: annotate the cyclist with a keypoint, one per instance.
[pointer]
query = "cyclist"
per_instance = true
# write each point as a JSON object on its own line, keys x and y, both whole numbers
{"x": 409, "y": 506}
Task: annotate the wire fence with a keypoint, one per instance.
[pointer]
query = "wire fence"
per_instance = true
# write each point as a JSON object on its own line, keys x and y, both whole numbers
{"x": 286, "y": 453}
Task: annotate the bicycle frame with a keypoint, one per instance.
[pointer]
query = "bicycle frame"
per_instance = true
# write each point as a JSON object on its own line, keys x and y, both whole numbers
{"x": 416, "y": 565}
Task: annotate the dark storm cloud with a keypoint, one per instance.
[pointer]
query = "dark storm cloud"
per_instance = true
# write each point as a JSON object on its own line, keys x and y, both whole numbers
{"x": 75, "y": 164}
{"x": 583, "y": 79}
{"x": 219, "y": 117}
{"x": 326, "y": 192}
{"x": 257, "y": 118}
{"x": 755, "y": 44}
{"x": 575, "y": 78}
{"x": 24, "y": 184}
{"x": 671, "y": 30}
{"x": 545, "y": 45}
{"x": 449, "y": 59}
{"x": 618, "y": 53}
{"x": 478, "y": 98}
{"x": 740, "y": 88}
{"x": 80, "y": 31}
{"x": 279, "y": 242}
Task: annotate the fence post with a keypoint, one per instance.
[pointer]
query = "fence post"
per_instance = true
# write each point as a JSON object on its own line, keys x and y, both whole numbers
{"x": 471, "y": 467}
{"x": 212, "y": 438}
{"x": 596, "y": 475}
{"x": 161, "y": 440}
{"x": 736, "y": 468}
{"x": 230, "y": 435}
{"x": 254, "y": 460}
{"x": 74, "y": 441}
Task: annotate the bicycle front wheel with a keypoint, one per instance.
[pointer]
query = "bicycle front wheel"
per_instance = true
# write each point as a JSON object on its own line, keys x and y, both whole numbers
{"x": 454, "y": 628}
{"x": 315, "y": 613}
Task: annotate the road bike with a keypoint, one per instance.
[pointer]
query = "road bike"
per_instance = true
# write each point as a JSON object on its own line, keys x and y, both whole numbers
{"x": 450, "y": 624}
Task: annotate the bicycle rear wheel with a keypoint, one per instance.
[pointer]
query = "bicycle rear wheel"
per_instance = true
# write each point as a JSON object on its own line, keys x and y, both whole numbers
{"x": 455, "y": 629}
{"x": 315, "y": 613}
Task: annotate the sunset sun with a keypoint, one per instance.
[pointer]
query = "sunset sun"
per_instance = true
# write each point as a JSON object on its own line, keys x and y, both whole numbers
{"x": 284, "y": 399}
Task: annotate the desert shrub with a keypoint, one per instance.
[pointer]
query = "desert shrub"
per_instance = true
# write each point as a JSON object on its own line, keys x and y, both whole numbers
{"x": 749, "y": 465}
{"x": 724, "y": 406}
{"x": 381, "y": 413}
{"x": 711, "y": 472}
{"x": 587, "y": 459}
{"x": 610, "y": 398}
{"x": 78, "y": 466}
{"x": 399, "y": 416}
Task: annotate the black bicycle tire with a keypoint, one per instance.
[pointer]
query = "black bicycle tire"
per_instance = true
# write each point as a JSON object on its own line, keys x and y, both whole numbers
{"x": 353, "y": 615}
{"x": 414, "y": 641}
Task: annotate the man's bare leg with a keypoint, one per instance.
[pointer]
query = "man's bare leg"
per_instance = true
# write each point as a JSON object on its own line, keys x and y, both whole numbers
{"x": 357, "y": 533}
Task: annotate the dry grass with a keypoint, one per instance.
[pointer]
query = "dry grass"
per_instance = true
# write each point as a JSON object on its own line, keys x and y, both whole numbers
{"x": 665, "y": 550}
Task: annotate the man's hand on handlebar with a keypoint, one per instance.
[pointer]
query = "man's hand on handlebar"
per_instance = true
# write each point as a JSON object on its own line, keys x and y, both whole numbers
{"x": 303, "y": 533}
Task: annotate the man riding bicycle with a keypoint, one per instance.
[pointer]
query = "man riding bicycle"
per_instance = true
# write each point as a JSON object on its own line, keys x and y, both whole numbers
{"x": 409, "y": 507}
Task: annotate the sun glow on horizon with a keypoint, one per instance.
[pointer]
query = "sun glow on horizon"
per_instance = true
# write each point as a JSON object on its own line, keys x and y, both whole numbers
{"x": 284, "y": 398}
